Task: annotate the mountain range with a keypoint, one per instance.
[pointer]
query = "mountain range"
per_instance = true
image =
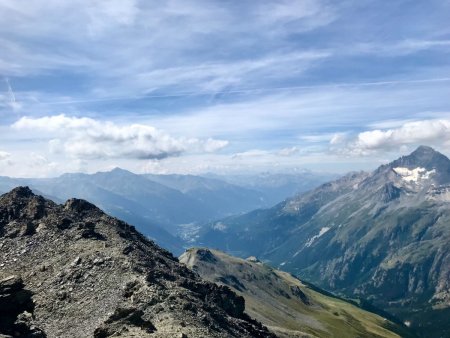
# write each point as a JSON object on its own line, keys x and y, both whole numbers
{"x": 167, "y": 208}
{"x": 381, "y": 239}
{"x": 382, "y": 236}
{"x": 70, "y": 270}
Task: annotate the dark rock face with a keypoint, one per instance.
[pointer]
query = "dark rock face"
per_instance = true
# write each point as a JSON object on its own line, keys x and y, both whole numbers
{"x": 389, "y": 192}
{"x": 296, "y": 291}
{"x": 206, "y": 255}
{"x": 16, "y": 310}
{"x": 124, "y": 317}
{"x": 93, "y": 275}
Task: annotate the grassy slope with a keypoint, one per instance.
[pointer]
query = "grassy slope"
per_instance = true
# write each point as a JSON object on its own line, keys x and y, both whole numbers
{"x": 270, "y": 299}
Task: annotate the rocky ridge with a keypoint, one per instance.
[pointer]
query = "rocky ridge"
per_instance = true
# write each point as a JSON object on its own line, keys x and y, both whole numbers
{"x": 91, "y": 275}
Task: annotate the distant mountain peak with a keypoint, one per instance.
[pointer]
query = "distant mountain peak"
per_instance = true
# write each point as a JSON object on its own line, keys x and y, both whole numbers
{"x": 115, "y": 172}
{"x": 119, "y": 170}
{"x": 424, "y": 149}
{"x": 425, "y": 153}
{"x": 423, "y": 157}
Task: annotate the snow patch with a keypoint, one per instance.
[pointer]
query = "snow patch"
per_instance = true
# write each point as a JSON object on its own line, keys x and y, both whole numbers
{"x": 219, "y": 226}
{"x": 413, "y": 175}
{"x": 313, "y": 238}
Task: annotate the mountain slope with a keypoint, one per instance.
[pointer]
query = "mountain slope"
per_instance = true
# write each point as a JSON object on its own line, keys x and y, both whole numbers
{"x": 93, "y": 275}
{"x": 382, "y": 236}
{"x": 222, "y": 198}
{"x": 167, "y": 208}
{"x": 263, "y": 230}
{"x": 275, "y": 187}
{"x": 287, "y": 306}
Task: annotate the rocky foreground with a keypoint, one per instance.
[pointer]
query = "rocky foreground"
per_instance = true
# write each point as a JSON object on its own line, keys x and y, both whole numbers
{"x": 72, "y": 271}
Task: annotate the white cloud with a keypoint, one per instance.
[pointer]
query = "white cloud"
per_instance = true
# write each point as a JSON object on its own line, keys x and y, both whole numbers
{"x": 254, "y": 153}
{"x": 427, "y": 132}
{"x": 338, "y": 138}
{"x": 41, "y": 166}
{"x": 317, "y": 138}
{"x": 212, "y": 145}
{"x": 266, "y": 155}
{"x": 288, "y": 151}
{"x": 4, "y": 155}
{"x": 5, "y": 160}
{"x": 86, "y": 138}
{"x": 37, "y": 160}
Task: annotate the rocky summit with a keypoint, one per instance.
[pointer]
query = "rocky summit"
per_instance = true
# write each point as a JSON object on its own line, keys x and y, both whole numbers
{"x": 72, "y": 271}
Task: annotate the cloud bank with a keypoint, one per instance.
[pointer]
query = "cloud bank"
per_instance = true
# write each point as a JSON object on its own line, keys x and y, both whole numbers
{"x": 87, "y": 138}
{"x": 428, "y": 132}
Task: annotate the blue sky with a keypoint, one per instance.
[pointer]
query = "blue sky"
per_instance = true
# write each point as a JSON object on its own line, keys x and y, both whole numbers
{"x": 220, "y": 86}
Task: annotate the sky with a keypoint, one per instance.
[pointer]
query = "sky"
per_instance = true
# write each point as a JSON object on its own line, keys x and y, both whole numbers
{"x": 194, "y": 86}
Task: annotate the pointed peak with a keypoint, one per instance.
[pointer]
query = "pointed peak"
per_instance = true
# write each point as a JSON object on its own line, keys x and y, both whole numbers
{"x": 424, "y": 160}
{"x": 120, "y": 171}
{"x": 21, "y": 192}
{"x": 115, "y": 172}
{"x": 424, "y": 150}
{"x": 423, "y": 157}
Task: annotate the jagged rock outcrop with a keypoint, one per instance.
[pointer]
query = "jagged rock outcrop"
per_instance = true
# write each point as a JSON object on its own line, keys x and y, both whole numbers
{"x": 93, "y": 275}
{"x": 16, "y": 310}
